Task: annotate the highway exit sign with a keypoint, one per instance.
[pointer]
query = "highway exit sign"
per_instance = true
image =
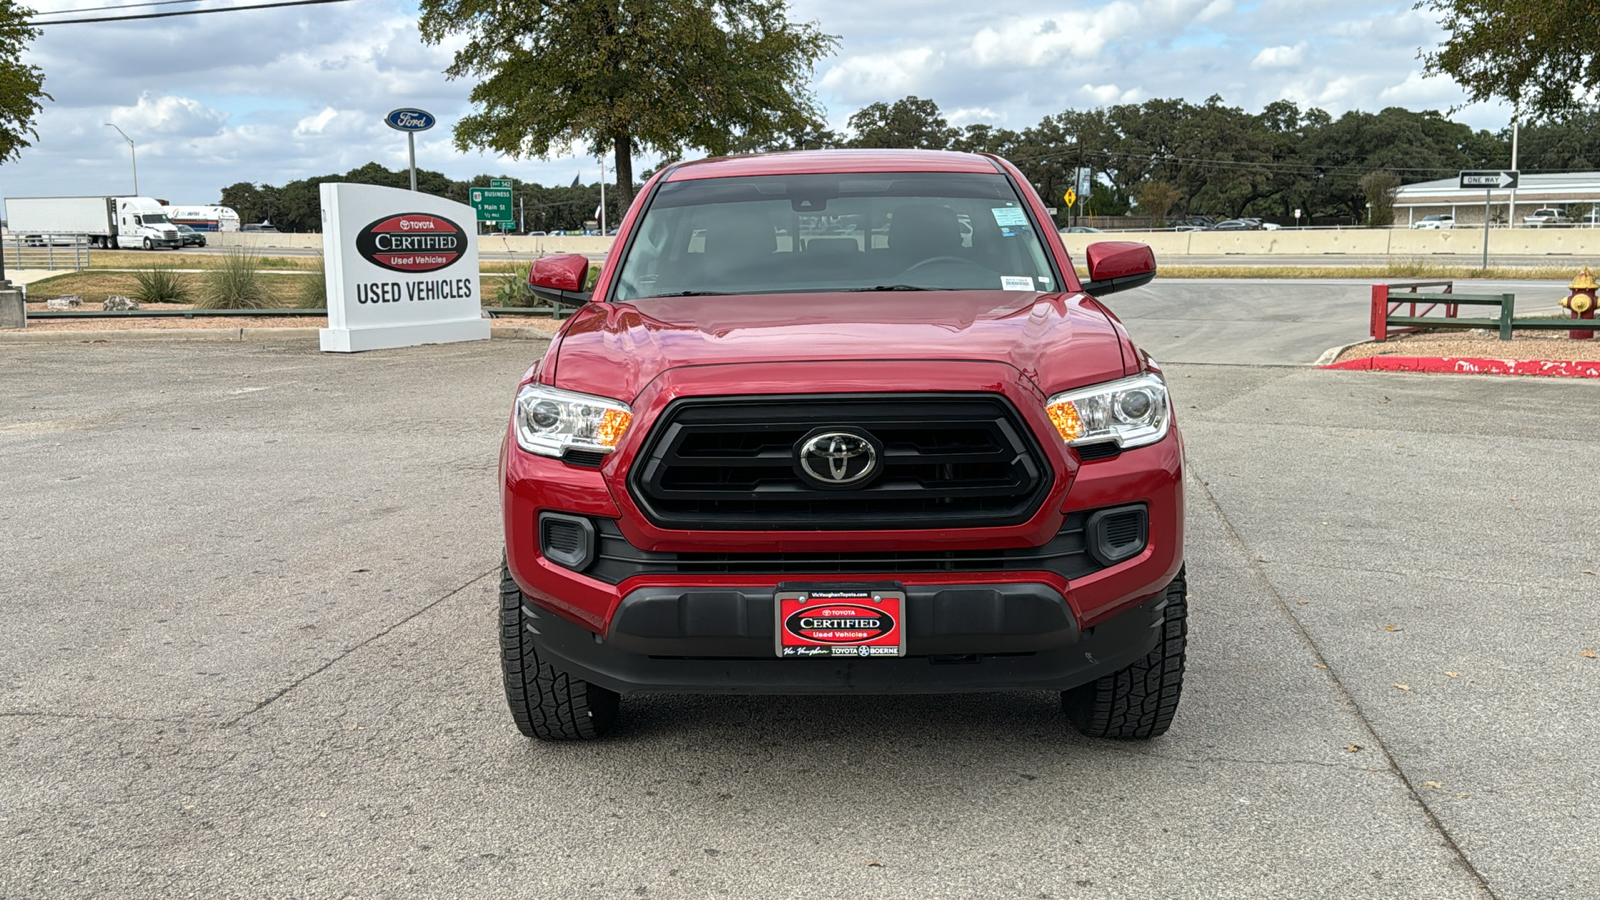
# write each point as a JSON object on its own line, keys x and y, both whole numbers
{"x": 493, "y": 204}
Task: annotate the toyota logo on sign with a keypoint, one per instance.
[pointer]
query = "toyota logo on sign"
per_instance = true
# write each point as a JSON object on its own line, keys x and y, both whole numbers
{"x": 838, "y": 458}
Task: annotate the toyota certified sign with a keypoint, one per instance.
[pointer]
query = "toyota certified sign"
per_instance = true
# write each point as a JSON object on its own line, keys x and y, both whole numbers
{"x": 402, "y": 269}
{"x": 412, "y": 242}
{"x": 409, "y": 120}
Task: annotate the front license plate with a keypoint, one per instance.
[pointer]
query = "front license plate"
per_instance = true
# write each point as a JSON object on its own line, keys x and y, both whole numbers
{"x": 841, "y": 622}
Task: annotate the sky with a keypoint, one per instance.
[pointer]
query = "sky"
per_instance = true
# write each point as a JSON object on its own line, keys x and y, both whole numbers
{"x": 268, "y": 96}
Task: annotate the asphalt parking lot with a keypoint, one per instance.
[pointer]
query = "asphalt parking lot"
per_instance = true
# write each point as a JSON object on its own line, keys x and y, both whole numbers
{"x": 247, "y": 649}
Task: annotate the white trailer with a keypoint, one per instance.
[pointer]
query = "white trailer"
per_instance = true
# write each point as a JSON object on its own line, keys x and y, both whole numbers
{"x": 129, "y": 222}
{"x": 204, "y": 218}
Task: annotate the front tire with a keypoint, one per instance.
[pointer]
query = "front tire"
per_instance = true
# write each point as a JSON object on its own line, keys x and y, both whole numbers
{"x": 546, "y": 702}
{"x": 1138, "y": 702}
{"x": 148, "y": 245}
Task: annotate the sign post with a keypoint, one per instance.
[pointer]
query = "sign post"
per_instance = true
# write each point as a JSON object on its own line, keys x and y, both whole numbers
{"x": 410, "y": 121}
{"x": 402, "y": 269}
{"x": 1490, "y": 180}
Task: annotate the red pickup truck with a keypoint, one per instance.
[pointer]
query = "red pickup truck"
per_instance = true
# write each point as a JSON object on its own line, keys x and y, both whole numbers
{"x": 835, "y": 422}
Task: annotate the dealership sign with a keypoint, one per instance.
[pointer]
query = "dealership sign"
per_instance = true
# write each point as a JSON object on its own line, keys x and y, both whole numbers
{"x": 409, "y": 120}
{"x": 402, "y": 269}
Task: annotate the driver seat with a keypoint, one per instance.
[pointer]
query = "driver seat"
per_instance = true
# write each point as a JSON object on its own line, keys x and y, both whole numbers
{"x": 921, "y": 231}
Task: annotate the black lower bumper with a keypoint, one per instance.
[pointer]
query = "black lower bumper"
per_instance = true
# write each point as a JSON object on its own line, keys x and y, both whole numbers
{"x": 959, "y": 638}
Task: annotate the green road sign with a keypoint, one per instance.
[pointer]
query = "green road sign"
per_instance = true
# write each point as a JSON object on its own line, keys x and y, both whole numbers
{"x": 500, "y": 183}
{"x": 492, "y": 204}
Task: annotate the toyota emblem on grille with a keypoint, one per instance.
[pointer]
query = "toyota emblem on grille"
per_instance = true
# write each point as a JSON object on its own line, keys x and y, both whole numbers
{"x": 838, "y": 458}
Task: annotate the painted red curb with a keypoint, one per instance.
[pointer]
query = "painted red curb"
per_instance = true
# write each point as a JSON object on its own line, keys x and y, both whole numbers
{"x": 1459, "y": 365}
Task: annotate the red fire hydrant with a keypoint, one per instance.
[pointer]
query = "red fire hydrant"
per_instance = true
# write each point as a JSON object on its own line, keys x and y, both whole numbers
{"x": 1581, "y": 302}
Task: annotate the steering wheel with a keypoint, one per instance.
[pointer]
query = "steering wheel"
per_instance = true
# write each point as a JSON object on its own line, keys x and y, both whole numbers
{"x": 938, "y": 259}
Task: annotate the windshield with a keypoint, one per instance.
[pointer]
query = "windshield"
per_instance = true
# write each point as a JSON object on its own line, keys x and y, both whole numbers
{"x": 835, "y": 232}
{"x": 153, "y": 219}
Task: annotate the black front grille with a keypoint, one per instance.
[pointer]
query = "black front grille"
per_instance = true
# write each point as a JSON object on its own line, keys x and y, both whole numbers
{"x": 1067, "y": 554}
{"x": 948, "y": 460}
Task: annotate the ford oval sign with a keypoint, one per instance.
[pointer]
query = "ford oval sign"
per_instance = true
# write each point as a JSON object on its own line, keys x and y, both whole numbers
{"x": 412, "y": 242}
{"x": 409, "y": 120}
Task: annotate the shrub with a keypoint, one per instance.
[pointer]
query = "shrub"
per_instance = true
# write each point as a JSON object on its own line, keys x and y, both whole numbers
{"x": 513, "y": 291}
{"x": 313, "y": 289}
{"x": 235, "y": 283}
{"x": 160, "y": 284}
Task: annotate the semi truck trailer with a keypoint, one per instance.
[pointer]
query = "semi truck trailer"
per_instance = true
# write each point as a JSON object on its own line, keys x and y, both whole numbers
{"x": 110, "y": 222}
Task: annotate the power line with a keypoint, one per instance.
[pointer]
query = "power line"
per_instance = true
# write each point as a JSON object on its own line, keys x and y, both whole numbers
{"x": 186, "y": 12}
{"x": 64, "y": 12}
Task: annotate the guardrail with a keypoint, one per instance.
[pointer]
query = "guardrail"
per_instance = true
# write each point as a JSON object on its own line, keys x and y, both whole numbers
{"x": 1388, "y": 298}
{"x": 1384, "y": 305}
{"x": 47, "y": 251}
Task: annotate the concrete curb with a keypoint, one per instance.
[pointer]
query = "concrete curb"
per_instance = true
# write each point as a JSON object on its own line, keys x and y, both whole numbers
{"x": 1332, "y": 353}
{"x": 214, "y": 335}
{"x": 1549, "y": 368}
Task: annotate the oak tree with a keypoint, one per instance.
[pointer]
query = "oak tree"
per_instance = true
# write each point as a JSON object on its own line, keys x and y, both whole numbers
{"x": 21, "y": 87}
{"x": 626, "y": 76}
{"x": 1542, "y": 56}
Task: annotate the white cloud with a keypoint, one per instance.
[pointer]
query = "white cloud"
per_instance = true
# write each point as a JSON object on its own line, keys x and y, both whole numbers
{"x": 273, "y": 95}
{"x": 882, "y": 77}
{"x": 1280, "y": 57}
{"x": 1107, "y": 94}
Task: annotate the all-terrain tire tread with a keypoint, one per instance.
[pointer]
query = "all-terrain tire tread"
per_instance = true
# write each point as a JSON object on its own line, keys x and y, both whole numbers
{"x": 545, "y": 703}
{"x": 1139, "y": 701}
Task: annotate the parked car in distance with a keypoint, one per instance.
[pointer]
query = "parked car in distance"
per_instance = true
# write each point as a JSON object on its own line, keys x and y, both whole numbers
{"x": 538, "y": 233}
{"x": 1083, "y": 229}
{"x": 1547, "y": 218}
{"x": 191, "y": 238}
{"x": 259, "y": 228}
{"x": 1435, "y": 223}
{"x": 1236, "y": 225}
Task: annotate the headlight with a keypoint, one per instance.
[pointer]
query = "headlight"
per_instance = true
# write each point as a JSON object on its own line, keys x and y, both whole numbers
{"x": 1133, "y": 412}
{"x": 550, "y": 422}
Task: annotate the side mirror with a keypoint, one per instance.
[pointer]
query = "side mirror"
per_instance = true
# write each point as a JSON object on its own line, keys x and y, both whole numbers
{"x": 560, "y": 278}
{"x": 1118, "y": 265}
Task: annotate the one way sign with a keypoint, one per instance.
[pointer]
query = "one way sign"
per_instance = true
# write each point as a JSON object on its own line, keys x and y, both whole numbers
{"x": 1498, "y": 179}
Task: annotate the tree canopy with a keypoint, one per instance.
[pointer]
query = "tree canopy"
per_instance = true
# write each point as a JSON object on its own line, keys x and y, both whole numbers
{"x": 626, "y": 76}
{"x": 21, "y": 87}
{"x": 297, "y": 205}
{"x": 1222, "y": 160}
{"x": 1543, "y": 56}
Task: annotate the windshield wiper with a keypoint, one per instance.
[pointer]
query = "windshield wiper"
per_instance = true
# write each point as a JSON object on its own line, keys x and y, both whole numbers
{"x": 890, "y": 287}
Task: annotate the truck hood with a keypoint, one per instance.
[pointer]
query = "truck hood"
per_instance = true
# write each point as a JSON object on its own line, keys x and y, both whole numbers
{"x": 1059, "y": 341}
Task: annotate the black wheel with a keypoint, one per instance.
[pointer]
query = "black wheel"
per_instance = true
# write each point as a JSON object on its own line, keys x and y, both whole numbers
{"x": 148, "y": 245}
{"x": 1139, "y": 701}
{"x": 545, "y": 702}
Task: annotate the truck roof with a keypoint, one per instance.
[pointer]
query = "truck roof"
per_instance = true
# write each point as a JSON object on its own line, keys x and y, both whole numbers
{"x": 801, "y": 162}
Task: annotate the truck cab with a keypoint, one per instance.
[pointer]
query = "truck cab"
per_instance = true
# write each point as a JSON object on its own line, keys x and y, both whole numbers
{"x": 142, "y": 222}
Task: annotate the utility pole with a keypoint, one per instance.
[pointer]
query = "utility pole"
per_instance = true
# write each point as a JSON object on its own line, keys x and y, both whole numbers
{"x": 1511, "y": 212}
{"x": 602, "y": 196}
{"x": 134, "y": 154}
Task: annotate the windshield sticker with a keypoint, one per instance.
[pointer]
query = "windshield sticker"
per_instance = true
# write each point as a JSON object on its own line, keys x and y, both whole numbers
{"x": 1009, "y": 215}
{"x": 1016, "y": 283}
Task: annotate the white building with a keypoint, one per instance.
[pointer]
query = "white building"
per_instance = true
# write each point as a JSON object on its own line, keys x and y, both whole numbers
{"x": 1573, "y": 192}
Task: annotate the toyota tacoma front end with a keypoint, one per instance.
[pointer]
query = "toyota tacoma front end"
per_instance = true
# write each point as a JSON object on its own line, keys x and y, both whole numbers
{"x": 842, "y": 422}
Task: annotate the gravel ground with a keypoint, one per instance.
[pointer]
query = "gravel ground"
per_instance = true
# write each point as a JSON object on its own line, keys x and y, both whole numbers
{"x": 1523, "y": 345}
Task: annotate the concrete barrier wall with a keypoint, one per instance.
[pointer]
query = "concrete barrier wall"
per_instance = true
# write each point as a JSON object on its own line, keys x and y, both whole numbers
{"x": 1402, "y": 243}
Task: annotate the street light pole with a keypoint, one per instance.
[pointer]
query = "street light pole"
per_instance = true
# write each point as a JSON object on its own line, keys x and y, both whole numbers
{"x": 133, "y": 153}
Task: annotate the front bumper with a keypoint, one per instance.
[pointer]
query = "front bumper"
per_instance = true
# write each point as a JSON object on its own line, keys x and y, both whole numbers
{"x": 960, "y": 638}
